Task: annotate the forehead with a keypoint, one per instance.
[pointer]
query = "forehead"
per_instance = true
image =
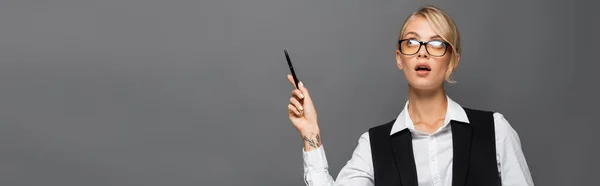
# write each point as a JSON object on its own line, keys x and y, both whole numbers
{"x": 420, "y": 26}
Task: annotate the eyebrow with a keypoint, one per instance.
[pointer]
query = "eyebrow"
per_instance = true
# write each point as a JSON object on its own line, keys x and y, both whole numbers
{"x": 432, "y": 37}
{"x": 414, "y": 33}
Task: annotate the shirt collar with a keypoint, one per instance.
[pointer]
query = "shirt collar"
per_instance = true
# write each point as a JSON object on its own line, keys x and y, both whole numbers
{"x": 453, "y": 112}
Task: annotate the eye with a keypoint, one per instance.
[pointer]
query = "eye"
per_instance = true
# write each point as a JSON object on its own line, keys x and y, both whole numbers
{"x": 413, "y": 42}
{"x": 437, "y": 44}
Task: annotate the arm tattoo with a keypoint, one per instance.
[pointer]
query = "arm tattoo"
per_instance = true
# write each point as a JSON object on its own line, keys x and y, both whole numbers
{"x": 312, "y": 142}
{"x": 318, "y": 139}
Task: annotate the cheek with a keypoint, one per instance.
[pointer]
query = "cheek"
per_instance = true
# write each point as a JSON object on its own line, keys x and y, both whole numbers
{"x": 406, "y": 60}
{"x": 442, "y": 64}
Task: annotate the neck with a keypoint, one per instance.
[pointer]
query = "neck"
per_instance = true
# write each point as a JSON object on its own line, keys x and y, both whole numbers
{"x": 427, "y": 106}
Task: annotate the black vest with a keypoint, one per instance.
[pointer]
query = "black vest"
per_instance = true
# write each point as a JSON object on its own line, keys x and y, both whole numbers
{"x": 474, "y": 151}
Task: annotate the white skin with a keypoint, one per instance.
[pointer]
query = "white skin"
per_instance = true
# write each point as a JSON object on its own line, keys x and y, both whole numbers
{"x": 426, "y": 95}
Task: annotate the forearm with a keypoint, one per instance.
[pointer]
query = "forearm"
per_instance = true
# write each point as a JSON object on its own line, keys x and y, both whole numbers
{"x": 357, "y": 171}
{"x": 311, "y": 139}
{"x": 315, "y": 161}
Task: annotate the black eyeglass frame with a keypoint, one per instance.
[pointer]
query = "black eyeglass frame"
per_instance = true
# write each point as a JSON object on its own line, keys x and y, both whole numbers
{"x": 421, "y": 43}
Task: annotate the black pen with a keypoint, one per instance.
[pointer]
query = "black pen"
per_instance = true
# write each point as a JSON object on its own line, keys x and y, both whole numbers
{"x": 291, "y": 67}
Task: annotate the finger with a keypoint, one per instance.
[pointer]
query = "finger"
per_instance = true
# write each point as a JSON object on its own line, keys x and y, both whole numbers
{"x": 304, "y": 91}
{"x": 296, "y": 103}
{"x": 298, "y": 94}
{"x": 291, "y": 80}
{"x": 293, "y": 110}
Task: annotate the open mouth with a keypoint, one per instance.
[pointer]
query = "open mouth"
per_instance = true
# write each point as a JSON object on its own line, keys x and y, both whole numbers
{"x": 422, "y": 67}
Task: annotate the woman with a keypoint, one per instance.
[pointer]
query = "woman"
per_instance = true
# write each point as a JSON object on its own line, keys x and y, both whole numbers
{"x": 433, "y": 141}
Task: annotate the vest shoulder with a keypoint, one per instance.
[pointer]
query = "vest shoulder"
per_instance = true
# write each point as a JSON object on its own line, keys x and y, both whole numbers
{"x": 471, "y": 111}
{"x": 383, "y": 127}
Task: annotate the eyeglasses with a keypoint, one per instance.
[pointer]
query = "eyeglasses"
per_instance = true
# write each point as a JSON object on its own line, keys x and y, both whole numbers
{"x": 412, "y": 46}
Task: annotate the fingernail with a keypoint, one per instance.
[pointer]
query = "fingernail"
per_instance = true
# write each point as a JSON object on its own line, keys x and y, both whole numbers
{"x": 302, "y": 85}
{"x": 301, "y": 96}
{"x": 301, "y": 108}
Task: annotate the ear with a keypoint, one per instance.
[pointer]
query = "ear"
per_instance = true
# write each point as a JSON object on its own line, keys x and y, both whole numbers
{"x": 456, "y": 63}
{"x": 399, "y": 60}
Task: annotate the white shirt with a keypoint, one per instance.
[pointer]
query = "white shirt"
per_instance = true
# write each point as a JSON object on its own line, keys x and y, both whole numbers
{"x": 433, "y": 155}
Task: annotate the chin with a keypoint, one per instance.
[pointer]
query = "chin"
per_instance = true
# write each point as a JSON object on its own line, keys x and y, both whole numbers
{"x": 425, "y": 84}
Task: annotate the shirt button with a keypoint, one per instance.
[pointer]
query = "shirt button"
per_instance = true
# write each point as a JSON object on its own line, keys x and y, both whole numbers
{"x": 432, "y": 158}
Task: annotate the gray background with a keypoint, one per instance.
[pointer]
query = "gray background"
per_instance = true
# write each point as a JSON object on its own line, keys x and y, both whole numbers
{"x": 186, "y": 92}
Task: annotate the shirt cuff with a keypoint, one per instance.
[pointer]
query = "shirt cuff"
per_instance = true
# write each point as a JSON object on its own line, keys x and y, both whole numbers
{"x": 314, "y": 160}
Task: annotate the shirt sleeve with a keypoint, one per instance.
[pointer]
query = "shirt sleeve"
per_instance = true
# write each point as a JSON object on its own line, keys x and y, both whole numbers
{"x": 511, "y": 160}
{"x": 358, "y": 171}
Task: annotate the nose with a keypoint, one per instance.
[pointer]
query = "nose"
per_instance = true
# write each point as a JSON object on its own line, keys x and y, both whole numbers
{"x": 422, "y": 52}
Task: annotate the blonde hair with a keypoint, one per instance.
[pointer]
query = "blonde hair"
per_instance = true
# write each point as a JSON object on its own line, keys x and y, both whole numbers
{"x": 442, "y": 25}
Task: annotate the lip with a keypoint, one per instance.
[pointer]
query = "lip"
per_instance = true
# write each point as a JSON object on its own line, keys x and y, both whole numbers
{"x": 423, "y": 64}
{"x": 422, "y": 73}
